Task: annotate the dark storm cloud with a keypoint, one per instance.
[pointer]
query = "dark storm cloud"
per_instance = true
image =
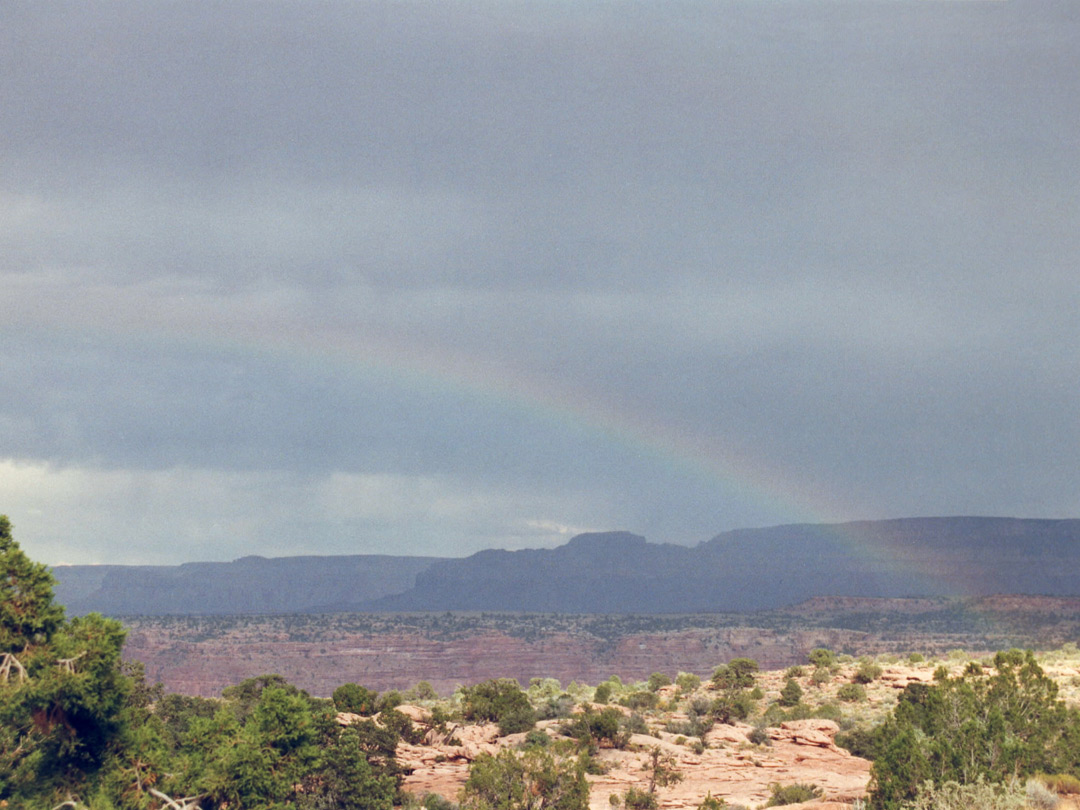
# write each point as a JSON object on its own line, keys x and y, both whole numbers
{"x": 838, "y": 239}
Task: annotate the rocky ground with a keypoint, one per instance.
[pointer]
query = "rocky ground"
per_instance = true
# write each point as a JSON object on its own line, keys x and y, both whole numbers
{"x": 730, "y": 766}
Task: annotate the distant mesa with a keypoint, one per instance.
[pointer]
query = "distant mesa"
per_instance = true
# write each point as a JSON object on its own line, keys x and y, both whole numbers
{"x": 605, "y": 541}
{"x": 617, "y": 572}
{"x": 249, "y": 585}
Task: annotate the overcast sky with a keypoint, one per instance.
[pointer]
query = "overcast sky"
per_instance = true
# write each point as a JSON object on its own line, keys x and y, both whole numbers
{"x": 429, "y": 277}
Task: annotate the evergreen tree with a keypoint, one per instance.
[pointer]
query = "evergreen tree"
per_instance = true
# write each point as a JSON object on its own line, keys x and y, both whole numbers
{"x": 346, "y": 781}
{"x": 533, "y": 780}
{"x": 352, "y": 697}
{"x": 791, "y": 694}
{"x": 975, "y": 726}
{"x": 28, "y": 616}
{"x": 62, "y": 691}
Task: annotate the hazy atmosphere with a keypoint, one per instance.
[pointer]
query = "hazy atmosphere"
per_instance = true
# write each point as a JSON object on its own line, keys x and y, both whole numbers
{"x": 425, "y": 278}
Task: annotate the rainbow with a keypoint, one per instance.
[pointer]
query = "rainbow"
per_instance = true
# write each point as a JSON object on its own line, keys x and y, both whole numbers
{"x": 366, "y": 355}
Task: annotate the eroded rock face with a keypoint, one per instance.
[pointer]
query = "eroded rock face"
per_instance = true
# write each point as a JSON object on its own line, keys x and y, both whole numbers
{"x": 813, "y": 731}
{"x": 203, "y": 655}
{"x": 899, "y": 677}
{"x": 195, "y": 662}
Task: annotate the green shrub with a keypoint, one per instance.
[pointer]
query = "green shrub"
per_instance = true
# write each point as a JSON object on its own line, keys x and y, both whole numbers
{"x": 591, "y": 765}
{"x": 711, "y": 802}
{"x": 698, "y": 721}
{"x": 681, "y": 727}
{"x": 602, "y": 693}
{"x": 827, "y": 711}
{"x": 498, "y": 700}
{"x": 1039, "y": 796}
{"x": 1062, "y": 783}
{"x": 738, "y": 673}
{"x": 423, "y": 691}
{"x": 795, "y": 671}
{"x": 540, "y": 688}
{"x": 792, "y": 794}
{"x": 977, "y": 795}
{"x": 634, "y": 724}
{"x": 916, "y": 658}
{"x": 656, "y": 680}
{"x": 687, "y": 681}
{"x": 800, "y": 711}
{"x": 634, "y": 799}
{"x": 439, "y": 718}
{"x": 389, "y": 700}
{"x": 862, "y": 742}
{"x": 773, "y": 715}
{"x": 352, "y": 697}
{"x": 820, "y": 676}
{"x": 867, "y": 672}
{"x": 433, "y": 801}
{"x": 516, "y": 721}
{"x": 791, "y": 693}
{"x": 759, "y": 736}
{"x": 401, "y": 725}
{"x": 536, "y": 739}
{"x": 699, "y": 705}
{"x": 851, "y": 693}
{"x": 555, "y": 708}
{"x": 731, "y": 706}
{"x": 822, "y": 657}
{"x": 640, "y": 700}
{"x": 596, "y": 727}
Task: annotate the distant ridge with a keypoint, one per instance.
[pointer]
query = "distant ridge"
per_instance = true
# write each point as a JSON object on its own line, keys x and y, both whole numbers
{"x": 619, "y": 572}
{"x": 248, "y": 585}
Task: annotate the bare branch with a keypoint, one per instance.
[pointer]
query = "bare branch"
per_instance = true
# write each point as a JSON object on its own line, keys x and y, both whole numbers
{"x": 187, "y": 803}
{"x": 7, "y": 663}
{"x": 68, "y": 664}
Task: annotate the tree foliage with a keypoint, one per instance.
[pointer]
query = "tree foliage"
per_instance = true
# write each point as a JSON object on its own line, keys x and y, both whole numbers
{"x": 532, "y": 780}
{"x": 791, "y": 694}
{"x": 975, "y": 726}
{"x": 346, "y": 780}
{"x": 62, "y": 700}
{"x": 79, "y": 727}
{"x": 28, "y": 617}
{"x": 687, "y": 682}
{"x": 657, "y": 680}
{"x": 738, "y": 673}
{"x": 352, "y": 697}
{"x": 867, "y": 672}
{"x": 662, "y": 768}
{"x": 595, "y": 729}
{"x": 798, "y": 793}
{"x": 499, "y": 700}
{"x": 733, "y": 680}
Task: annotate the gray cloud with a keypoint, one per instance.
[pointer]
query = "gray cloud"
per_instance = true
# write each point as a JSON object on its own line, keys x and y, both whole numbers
{"x": 507, "y": 269}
